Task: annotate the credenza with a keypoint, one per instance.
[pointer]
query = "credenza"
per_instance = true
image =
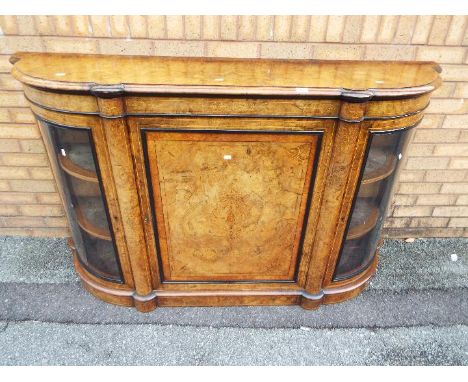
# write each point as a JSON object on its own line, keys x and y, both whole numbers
{"x": 207, "y": 182}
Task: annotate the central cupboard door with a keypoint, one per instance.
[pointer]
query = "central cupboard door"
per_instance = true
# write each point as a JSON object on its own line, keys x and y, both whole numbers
{"x": 230, "y": 205}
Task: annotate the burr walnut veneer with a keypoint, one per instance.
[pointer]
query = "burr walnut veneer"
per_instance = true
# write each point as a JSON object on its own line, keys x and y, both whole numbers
{"x": 190, "y": 181}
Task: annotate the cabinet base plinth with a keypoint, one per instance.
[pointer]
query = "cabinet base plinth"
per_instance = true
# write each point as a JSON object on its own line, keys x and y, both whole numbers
{"x": 123, "y": 296}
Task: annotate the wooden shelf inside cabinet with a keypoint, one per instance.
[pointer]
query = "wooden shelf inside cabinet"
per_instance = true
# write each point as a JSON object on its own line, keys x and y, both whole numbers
{"x": 92, "y": 219}
{"x": 76, "y": 171}
{"x": 365, "y": 216}
{"x": 78, "y": 162}
{"x": 380, "y": 164}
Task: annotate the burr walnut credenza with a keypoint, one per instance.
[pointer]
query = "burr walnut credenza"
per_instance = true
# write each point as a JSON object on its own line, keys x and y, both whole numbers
{"x": 197, "y": 181}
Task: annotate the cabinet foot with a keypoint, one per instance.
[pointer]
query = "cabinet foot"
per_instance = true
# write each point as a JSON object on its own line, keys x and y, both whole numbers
{"x": 146, "y": 303}
{"x": 309, "y": 304}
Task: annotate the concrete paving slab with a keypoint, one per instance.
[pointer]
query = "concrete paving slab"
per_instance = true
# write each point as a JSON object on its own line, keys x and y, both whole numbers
{"x": 415, "y": 312}
{"x": 35, "y": 260}
{"x": 423, "y": 264}
{"x": 33, "y": 343}
{"x": 374, "y": 308}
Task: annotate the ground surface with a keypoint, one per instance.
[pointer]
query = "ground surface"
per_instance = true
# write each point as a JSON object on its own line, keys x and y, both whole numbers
{"x": 414, "y": 313}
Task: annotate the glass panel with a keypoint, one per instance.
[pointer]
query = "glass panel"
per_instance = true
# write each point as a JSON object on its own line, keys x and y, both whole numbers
{"x": 90, "y": 226}
{"x": 370, "y": 204}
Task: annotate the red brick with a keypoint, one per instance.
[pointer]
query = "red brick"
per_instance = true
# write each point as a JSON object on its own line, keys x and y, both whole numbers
{"x": 419, "y": 188}
{"x": 439, "y": 30}
{"x": 458, "y": 163}
{"x": 81, "y": 26}
{"x": 32, "y": 185}
{"x": 282, "y": 28}
{"x": 232, "y": 49}
{"x": 431, "y": 121}
{"x": 397, "y": 222}
{"x": 21, "y": 115}
{"x": 14, "y": 173}
{"x": 335, "y": 28}
{"x": 352, "y": 29}
{"x": 19, "y": 131}
{"x": 454, "y": 72}
{"x": 338, "y": 52}
{"x": 17, "y": 198}
{"x": 390, "y": 52}
{"x": 35, "y": 232}
{"x": 101, "y": 26}
{"x": 21, "y": 222}
{"x": 448, "y": 106}
{"x": 445, "y": 90}
{"x": 4, "y": 185}
{"x": 452, "y": 149}
{"x": 9, "y": 210}
{"x": 12, "y": 99}
{"x": 285, "y": 50}
{"x": 445, "y": 175}
{"x": 32, "y": 146}
{"x": 128, "y": 47}
{"x": 455, "y": 122}
{"x": 454, "y": 188}
{"x": 458, "y": 222}
{"x": 70, "y": 45}
{"x": 56, "y": 221}
{"x": 63, "y": 25}
{"x": 404, "y": 29}
{"x": 318, "y": 28}
{"x": 21, "y": 159}
{"x": 40, "y": 210}
{"x": 211, "y": 27}
{"x": 40, "y": 173}
{"x": 436, "y": 136}
{"x": 7, "y": 82}
{"x": 138, "y": 26}
{"x": 119, "y": 26}
{"x": 420, "y": 150}
{"x": 426, "y": 222}
{"x": 192, "y": 28}
{"x": 156, "y": 27}
{"x": 9, "y": 146}
{"x": 462, "y": 200}
{"x": 411, "y": 176}
{"x": 9, "y": 25}
{"x": 370, "y": 28}
{"x": 178, "y": 48}
{"x": 13, "y": 44}
{"x": 427, "y": 163}
{"x": 443, "y": 55}
{"x": 419, "y": 211}
{"x": 388, "y": 25}
{"x": 404, "y": 200}
{"x": 456, "y": 29}
{"x": 228, "y": 27}
{"x": 49, "y": 198}
{"x": 451, "y": 211}
{"x": 436, "y": 200}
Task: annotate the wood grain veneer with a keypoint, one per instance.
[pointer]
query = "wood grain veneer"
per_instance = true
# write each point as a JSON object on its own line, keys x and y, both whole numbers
{"x": 227, "y": 181}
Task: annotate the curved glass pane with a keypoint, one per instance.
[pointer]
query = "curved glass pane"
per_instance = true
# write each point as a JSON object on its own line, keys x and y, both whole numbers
{"x": 370, "y": 204}
{"x": 90, "y": 224}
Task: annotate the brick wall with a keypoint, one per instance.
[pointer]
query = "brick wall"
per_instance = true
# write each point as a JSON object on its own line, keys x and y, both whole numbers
{"x": 432, "y": 196}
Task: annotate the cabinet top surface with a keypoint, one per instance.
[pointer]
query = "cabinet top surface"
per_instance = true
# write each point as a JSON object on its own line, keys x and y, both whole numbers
{"x": 141, "y": 74}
